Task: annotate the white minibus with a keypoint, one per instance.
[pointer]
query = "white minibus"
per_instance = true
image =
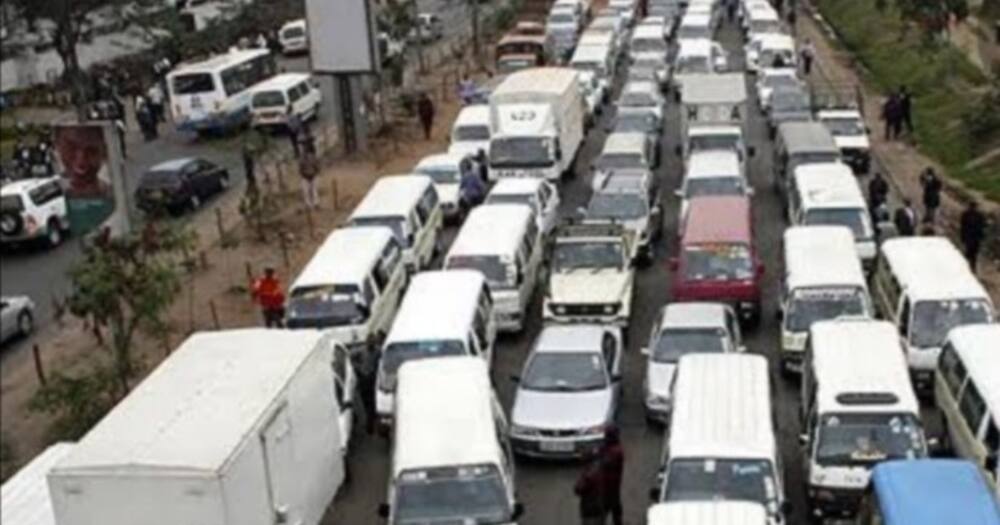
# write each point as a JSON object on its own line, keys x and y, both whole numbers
{"x": 409, "y": 205}
{"x": 539, "y": 195}
{"x": 707, "y": 513}
{"x": 283, "y": 96}
{"x": 444, "y": 313}
{"x": 503, "y": 242}
{"x": 823, "y": 280}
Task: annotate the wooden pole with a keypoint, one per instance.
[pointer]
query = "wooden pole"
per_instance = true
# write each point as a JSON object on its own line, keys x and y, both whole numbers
{"x": 335, "y": 193}
{"x": 283, "y": 241}
{"x": 215, "y": 314}
{"x": 218, "y": 223}
{"x": 309, "y": 222}
{"x": 36, "y": 354}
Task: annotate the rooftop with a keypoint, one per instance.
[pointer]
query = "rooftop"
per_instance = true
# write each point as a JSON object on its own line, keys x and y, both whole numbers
{"x": 492, "y": 229}
{"x": 392, "y": 195}
{"x": 345, "y": 257}
{"x": 933, "y": 492}
{"x": 428, "y": 314}
{"x": 717, "y": 219}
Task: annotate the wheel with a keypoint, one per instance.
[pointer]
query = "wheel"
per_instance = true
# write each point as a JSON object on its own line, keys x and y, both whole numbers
{"x": 195, "y": 201}
{"x": 53, "y": 233}
{"x": 11, "y": 223}
{"x": 25, "y": 323}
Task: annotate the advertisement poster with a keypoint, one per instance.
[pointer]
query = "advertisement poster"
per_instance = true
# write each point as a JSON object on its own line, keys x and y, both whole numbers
{"x": 91, "y": 169}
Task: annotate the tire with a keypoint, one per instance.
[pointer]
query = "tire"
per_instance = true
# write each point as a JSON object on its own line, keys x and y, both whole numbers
{"x": 25, "y": 323}
{"x": 53, "y": 233}
{"x": 11, "y": 223}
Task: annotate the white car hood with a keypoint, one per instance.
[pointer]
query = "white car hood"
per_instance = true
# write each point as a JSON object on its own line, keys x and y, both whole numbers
{"x": 561, "y": 410}
{"x": 659, "y": 377}
{"x": 852, "y": 141}
{"x": 584, "y": 286}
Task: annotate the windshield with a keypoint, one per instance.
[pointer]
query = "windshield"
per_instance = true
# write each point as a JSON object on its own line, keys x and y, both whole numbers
{"x": 812, "y": 157}
{"x": 714, "y": 142}
{"x": 268, "y": 99}
{"x": 561, "y": 18}
{"x": 844, "y": 127}
{"x": 572, "y": 255}
{"x": 11, "y": 203}
{"x": 865, "y": 439}
{"x": 649, "y": 45}
{"x": 470, "y": 495}
{"x": 621, "y": 206}
{"x": 193, "y": 83}
{"x": 521, "y": 151}
{"x": 393, "y": 223}
{"x": 396, "y": 354}
{"x": 932, "y": 320}
{"x": 494, "y": 270}
{"x": 160, "y": 179}
{"x": 648, "y": 62}
{"x": 717, "y": 262}
{"x": 440, "y": 174}
{"x": 471, "y": 133}
{"x": 856, "y": 219}
{"x": 789, "y": 101}
{"x": 565, "y": 372}
{"x": 693, "y": 33}
{"x": 721, "y": 479}
{"x": 823, "y": 304}
{"x": 636, "y": 122}
{"x": 638, "y": 99}
{"x": 589, "y": 65}
{"x": 618, "y": 161}
{"x": 512, "y": 198}
{"x": 674, "y": 343}
{"x": 506, "y": 66}
{"x": 293, "y": 32}
{"x": 692, "y": 64}
{"x": 700, "y": 186}
{"x": 326, "y": 306}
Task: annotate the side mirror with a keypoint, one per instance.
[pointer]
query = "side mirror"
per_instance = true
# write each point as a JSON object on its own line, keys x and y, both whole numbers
{"x": 751, "y": 151}
{"x": 654, "y": 494}
{"x": 674, "y": 263}
{"x": 581, "y": 211}
{"x": 383, "y": 510}
{"x": 750, "y": 192}
{"x": 934, "y": 448}
{"x": 644, "y": 351}
{"x": 742, "y": 349}
{"x": 616, "y": 378}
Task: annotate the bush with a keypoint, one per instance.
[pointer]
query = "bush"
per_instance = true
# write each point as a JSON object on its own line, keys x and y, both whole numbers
{"x": 77, "y": 403}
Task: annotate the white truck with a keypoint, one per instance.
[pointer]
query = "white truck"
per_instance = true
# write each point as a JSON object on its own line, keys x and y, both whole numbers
{"x": 537, "y": 116}
{"x": 714, "y": 115}
{"x": 236, "y": 427}
{"x": 24, "y": 498}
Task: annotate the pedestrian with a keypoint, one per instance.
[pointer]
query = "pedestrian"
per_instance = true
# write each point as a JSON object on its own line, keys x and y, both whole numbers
{"x": 308, "y": 170}
{"x": 807, "y": 53}
{"x": 972, "y": 230}
{"x": 905, "y": 111}
{"x": 890, "y": 115}
{"x": 146, "y": 122}
{"x": 471, "y": 190}
{"x": 366, "y": 364}
{"x": 307, "y": 142}
{"x": 905, "y": 219}
{"x": 155, "y": 97}
{"x": 731, "y": 10}
{"x": 425, "y": 111}
{"x": 792, "y": 18}
{"x": 466, "y": 90}
{"x": 250, "y": 169}
{"x": 612, "y": 468}
{"x": 878, "y": 191}
{"x": 483, "y": 164}
{"x": 269, "y": 295}
{"x": 589, "y": 490}
{"x": 932, "y": 186}
{"x": 294, "y": 129}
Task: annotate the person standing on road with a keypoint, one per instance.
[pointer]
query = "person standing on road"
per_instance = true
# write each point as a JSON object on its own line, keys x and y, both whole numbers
{"x": 589, "y": 490}
{"x": 932, "y": 194}
{"x": 269, "y": 295}
{"x": 366, "y": 367}
{"x": 294, "y": 130}
{"x": 905, "y": 111}
{"x": 309, "y": 169}
{"x": 483, "y": 165}
{"x": 891, "y": 116}
{"x": 731, "y": 10}
{"x": 612, "y": 468}
{"x": 250, "y": 169}
{"x": 807, "y": 53}
{"x": 972, "y": 230}
{"x": 878, "y": 191}
{"x": 905, "y": 219}
{"x": 155, "y": 97}
{"x": 426, "y": 111}
{"x": 471, "y": 190}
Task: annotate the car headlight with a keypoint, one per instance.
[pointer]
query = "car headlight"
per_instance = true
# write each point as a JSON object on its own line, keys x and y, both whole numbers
{"x": 611, "y": 309}
{"x": 597, "y": 429}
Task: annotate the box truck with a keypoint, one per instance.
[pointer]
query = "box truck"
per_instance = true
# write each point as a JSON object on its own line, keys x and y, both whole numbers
{"x": 236, "y": 427}
{"x": 538, "y": 120}
{"x": 24, "y": 498}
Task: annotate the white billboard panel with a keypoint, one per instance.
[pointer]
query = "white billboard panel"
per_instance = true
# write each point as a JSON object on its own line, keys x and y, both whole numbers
{"x": 342, "y": 36}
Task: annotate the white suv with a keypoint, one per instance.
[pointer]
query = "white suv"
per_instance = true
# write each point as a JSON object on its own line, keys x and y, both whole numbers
{"x": 33, "y": 209}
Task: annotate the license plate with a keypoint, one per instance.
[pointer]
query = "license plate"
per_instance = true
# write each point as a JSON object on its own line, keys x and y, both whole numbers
{"x": 556, "y": 446}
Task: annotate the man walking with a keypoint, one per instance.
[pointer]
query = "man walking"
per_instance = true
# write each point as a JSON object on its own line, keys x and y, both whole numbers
{"x": 905, "y": 219}
{"x": 589, "y": 491}
{"x": 425, "y": 111}
{"x": 890, "y": 115}
{"x": 366, "y": 367}
{"x": 309, "y": 169}
{"x": 807, "y": 53}
{"x": 932, "y": 194}
{"x": 612, "y": 467}
{"x": 269, "y": 295}
{"x": 905, "y": 111}
{"x": 972, "y": 230}
{"x": 249, "y": 169}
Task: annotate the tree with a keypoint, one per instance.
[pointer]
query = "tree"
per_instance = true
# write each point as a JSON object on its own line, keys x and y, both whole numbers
{"x": 127, "y": 284}
{"x": 933, "y": 16}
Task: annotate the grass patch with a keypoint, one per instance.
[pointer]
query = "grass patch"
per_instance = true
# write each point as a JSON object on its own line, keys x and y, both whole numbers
{"x": 944, "y": 83}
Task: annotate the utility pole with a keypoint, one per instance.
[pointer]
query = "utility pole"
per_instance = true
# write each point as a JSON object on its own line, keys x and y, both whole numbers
{"x": 475, "y": 29}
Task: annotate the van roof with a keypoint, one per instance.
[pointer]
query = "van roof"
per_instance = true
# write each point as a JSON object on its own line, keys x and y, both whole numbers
{"x": 763, "y": 14}
{"x": 707, "y": 513}
{"x": 474, "y": 115}
{"x": 448, "y": 159}
{"x": 462, "y": 434}
{"x": 196, "y": 408}
{"x": 596, "y": 39}
{"x": 804, "y": 137}
{"x": 976, "y": 346}
{"x": 717, "y": 219}
{"x": 218, "y": 61}
{"x": 818, "y": 256}
{"x": 931, "y": 268}
{"x": 695, "y": 19}
{"x": 722, "y": 408}
{"x": 704, "y": 88}
{"x": 693, "y": 315}
{"x": 713, "y": 163}
{"x": 775, "y": 41}
{"x": 392, "y": 196}
{"x": 694, "y": 46}
{"x": 438, "y": 305}
{"x": 24, "y": 497}
{"x": 280, "y": 82}
{"x": 511, "y": 121}
{"x": 624, "y": 142}
{"x": 516, "y": 186}
{"x": 347, "y": 256}
{"x": 839, "y": 346}
{"x": 934, "y": 491}
{"x": 828, "y": 185}
{"x": 648, "y": 31}
{"x": 589, "y": 52}
{"x": 492, "y": 229}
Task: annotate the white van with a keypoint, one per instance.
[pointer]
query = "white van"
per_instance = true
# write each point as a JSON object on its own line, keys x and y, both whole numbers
{"x": 503, "y": 242}
{"x": 695, "y": 26}
{"x": 823, "y": 280}
{"x": 293, "y": 37}
{"x": 596, "y": 66}
{"x": 351, "y": 287}
{"x": 646, "y": 41}
{"x": 410, "y": 207}
{"x": 24, "y": 497}
{"x": 707, "y": 513}
{"x": 828, "y": 194}
{"x": 539, "y": 195}
{"x": 471, "y": 131}
{"x": 446, "y": 169}
{"x": 925, "y": 287}
{"x": 451, "y": 458}
{"x": 858, "y": 409}
{"x": 967, "y": 390}
{"x": 722, "y": 443}
{"x": 275, "y": 101}
{"x": 444, "y": 313}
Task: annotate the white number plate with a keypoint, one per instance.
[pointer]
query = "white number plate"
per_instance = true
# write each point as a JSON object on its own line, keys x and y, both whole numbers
{"x": 556, "y": 446}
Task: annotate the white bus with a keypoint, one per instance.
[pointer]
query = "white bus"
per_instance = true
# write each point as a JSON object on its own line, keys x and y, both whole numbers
{"x": 214, "y": 95}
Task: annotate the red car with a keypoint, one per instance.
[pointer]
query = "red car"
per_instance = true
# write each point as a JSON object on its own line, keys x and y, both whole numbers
{"x": 717, "y": 258}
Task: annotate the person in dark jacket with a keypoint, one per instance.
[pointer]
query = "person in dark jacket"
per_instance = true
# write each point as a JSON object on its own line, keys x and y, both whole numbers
{"x": 932, "y": 194}
{"x": 878, "y": 191}
{"x": 249, "y": 169}
{"x": 366, "y": 364}
{"x": 905, "y": 110}
{"x": 426, "y": 111}
{"x": 589, "y": 490}
{"x": 612, "y": 467}
{"x": 972, "y": 231}
{"x": 905, "y": 219}
{"x": 891, "y": 116}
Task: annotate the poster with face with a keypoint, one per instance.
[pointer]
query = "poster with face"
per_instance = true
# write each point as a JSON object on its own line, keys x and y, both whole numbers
{"x": 85, "y": 157}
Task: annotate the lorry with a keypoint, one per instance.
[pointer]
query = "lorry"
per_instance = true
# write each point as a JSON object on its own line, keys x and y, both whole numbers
{"x": 714, "y": 115}
{"x": 236, "y": 427}
{"x": 537, "y": 116}
{"x": 24, "y": 498}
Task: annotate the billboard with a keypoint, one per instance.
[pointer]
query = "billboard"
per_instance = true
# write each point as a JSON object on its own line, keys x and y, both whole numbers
{"x": 342, "y": 36}
{"x": 90, "y": 160}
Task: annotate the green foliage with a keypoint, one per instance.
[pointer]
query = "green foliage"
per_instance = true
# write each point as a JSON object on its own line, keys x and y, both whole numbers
{"x": 77, "y": 403}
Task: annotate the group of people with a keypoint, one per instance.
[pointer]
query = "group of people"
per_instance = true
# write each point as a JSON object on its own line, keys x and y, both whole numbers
{"x": 33, "y": 161}
{"x": 897, "y": 113}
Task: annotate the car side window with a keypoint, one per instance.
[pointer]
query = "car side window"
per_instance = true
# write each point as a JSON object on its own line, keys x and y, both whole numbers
{"x": 45, "y": 193}
{"x": 294, "y": 95}
{"x": 972, "y": 407}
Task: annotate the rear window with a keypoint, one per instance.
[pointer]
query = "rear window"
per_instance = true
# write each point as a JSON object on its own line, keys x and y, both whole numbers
{"x": 11, "y": 203}
{"x": 193, "y": 83}
{"x": 293, "y": 32}
{"x": 268, "y": 99}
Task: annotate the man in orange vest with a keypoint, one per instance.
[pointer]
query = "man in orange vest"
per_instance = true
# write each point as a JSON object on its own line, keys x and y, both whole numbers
{"x": 268, "y": 293}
